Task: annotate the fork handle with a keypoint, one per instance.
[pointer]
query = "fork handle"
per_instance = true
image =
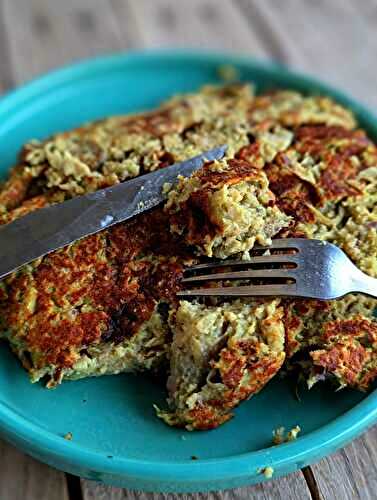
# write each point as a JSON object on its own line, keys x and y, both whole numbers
{"x": 365, "y": 284}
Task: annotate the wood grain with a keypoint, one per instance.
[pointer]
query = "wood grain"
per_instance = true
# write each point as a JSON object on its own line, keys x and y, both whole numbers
{"x": 44, "y": 34}
{"x": 350, "y": 474}
{"x": 330, "y": 40}
{"x": 289, "y": 487}
{"x": 6, "y": 73}
{"x": 208, "y": 24}
{"x": 23, "y": 478}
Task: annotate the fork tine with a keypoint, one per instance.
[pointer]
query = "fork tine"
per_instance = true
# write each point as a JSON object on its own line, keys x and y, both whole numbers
{"x": 281, "y": 244}
{"x": 259, "y": 259}
{"x": 241, "y": 291}
{"x": 256, "y": 273}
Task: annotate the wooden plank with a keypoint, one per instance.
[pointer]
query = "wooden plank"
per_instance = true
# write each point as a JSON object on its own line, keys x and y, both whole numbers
{"x": 44, "y": 34}
{"x": 350, "y": 474}
{"x": 289, "y": 487}
{"x": 208, "y": 24}
{"x": 334, "y": 41}
{"x": 6, "y": 73}
{"x": 23, "y": 478}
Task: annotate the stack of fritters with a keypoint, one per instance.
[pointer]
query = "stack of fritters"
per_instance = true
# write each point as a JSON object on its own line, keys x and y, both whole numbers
{"x": 295, "y": 166}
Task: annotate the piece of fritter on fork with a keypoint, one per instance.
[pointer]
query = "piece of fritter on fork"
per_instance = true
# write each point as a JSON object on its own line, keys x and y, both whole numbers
{"x": 225, "y": 208}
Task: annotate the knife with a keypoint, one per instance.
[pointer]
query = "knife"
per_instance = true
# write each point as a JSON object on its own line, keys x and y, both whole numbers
{"x": 48, "y": 229}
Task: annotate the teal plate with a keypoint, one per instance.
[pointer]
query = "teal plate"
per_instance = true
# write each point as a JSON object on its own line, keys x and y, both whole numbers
{"x": 116, "y": 437}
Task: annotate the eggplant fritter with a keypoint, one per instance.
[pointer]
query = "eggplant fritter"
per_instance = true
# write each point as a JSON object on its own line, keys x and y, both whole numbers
{"x": 224, "y": 208}
{"x": 295, "y": 166}
{"x": 220, "y": 356}
{"x": 347, "y": 352}
{"x": 95, "y": 307}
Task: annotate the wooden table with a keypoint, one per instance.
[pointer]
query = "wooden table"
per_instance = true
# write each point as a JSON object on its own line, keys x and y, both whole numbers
{"x": 333, "y": 39}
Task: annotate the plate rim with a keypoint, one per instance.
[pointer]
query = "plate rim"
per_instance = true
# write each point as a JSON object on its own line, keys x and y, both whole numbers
{"x": 293, "y": 455}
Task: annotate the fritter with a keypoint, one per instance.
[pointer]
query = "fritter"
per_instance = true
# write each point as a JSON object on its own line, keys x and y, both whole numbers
{"x": 95, "y": 307}
{"x": 304, "y": 319}
{"x": 333, "y": 340}
{"x": 295, "y": 166}
{"x": 224, "y": 208}
{"x": 115, "y": 149}
{"x": 220, "y": 356}
{"x": 348, "y": 352}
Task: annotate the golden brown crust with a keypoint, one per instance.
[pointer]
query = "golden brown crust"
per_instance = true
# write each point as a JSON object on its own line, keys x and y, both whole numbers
{"x": 335, "y": 146}
{"x": 224, "y": 208}
{"x": 302, "y": 322}
{"x": 14, "y": 191}
{"x": 348, "y": 352}
{"x": 234, "y": 363}
{"x": 221, "y": 356}
{"x": 92, "y": 291}
{"x": 195, "y": 213}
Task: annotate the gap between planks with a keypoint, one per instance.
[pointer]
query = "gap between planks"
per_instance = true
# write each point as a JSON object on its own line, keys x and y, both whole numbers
{"x": 74, "y": 489}
{"x": 311, "y": 483}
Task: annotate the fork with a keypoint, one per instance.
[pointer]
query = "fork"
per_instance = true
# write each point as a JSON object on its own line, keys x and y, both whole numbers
{"x": 300, "y": 268}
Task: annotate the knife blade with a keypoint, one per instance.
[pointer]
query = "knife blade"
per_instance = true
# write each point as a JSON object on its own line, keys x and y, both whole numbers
{"x": 48, "y": 229}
